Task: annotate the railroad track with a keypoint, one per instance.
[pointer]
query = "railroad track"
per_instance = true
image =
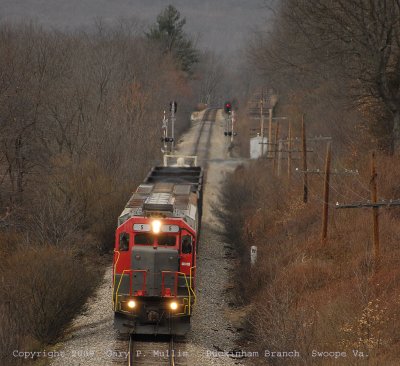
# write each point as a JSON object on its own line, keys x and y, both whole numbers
{"x": 209, "y": 119}
{"x": 159, "y": 352}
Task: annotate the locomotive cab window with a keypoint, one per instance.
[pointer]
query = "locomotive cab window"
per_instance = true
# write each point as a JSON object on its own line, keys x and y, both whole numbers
{"x": 123, "y": 242}
{"x": 186, "y": 244}
{"x": 167, "y": 240}
{"x": 144, "y": 239}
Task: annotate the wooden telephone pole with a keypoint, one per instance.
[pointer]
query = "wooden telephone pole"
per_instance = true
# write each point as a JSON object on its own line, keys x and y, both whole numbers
{"x": 375, "y": 205}
{"x": 375, "y": 210}
{"x": 289, "y": 164}
{"x": 304, "y": 145}
{"x": 270, "y": 131}
{"x": 325, "y": 210}
{"x": 276, "y": 145}
{"x": 262, "y": 122}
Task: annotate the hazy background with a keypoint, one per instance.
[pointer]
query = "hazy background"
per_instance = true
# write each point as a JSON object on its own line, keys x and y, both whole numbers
{"x": 222, "y": 25}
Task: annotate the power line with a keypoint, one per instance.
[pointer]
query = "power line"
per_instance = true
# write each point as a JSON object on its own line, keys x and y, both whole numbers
{"x": 344, "y": 182}
{"x": 369, "y": 204}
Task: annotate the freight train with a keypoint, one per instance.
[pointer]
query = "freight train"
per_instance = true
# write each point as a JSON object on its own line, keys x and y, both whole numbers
{"x": 154, "y": 267}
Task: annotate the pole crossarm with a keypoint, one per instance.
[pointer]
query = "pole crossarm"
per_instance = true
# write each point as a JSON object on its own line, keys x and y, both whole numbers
{"x": 257, "y": 115}
{"x": 369, "y": 204}
{"x": 296, "y": 151}
{"x": 311, "y": 139}
{"x": 333, "y": 171}
{"x": 293, "y": 158}
{"x": 383, "y": 203}
{"x": 265, "y": 114}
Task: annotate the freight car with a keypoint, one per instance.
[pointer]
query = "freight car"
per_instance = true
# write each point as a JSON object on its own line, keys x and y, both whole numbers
{"x": 154, "y": 267}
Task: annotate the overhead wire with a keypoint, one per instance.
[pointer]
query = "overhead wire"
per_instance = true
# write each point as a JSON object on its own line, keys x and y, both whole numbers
{"x": 343, "y": 182}
{"x": 312, "y": 193}
{"x": 345, "y": 197}
{"x": 343, "y": 131}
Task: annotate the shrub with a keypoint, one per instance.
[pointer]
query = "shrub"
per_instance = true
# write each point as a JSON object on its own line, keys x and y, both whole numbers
{"x": 45, "y": 287}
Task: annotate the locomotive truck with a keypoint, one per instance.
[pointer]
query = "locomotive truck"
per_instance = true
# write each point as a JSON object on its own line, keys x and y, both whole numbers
{"x": 154, "y": 267}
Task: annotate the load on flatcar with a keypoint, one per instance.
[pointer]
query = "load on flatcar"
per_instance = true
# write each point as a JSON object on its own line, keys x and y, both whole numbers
{"x": 155, "y": 250}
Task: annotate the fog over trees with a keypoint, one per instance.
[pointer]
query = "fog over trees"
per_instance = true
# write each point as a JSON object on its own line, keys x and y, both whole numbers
{"x": 222, "y": 25}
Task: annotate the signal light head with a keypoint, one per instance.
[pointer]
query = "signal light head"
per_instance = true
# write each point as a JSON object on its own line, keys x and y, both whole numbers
{"x": 228, "y": 107}
{"x": 173, "y": 305}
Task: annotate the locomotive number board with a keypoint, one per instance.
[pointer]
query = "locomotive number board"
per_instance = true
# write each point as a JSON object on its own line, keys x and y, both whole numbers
{"x": 164, "y": 228}
{"x": 141, "y": 227}
{"x": 170, "y": 228}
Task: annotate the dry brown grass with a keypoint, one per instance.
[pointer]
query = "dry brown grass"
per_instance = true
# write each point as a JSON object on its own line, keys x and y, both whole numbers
{"x": 309, "y": 295}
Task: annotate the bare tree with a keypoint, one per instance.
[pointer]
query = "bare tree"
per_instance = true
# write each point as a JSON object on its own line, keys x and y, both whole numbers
{"x": 211, "y": 74}
{"x": 356, "y": 41}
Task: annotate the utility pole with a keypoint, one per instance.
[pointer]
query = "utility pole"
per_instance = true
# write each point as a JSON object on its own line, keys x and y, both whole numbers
{"x": 173, "y": 106}
{"x": 375, "y": 205}
{"x": 327, "y": 174}
{"x": 279, "y": 157}
{"x": 326, "y": 193}
{"x": 165, "y": 133}
{"x": 232, "y": 125}
{"x": 289, "y": 165}
{"x": 275, "y": 145}
{"x": 262, "y": 121}
{"x": 270, "y": 131}
{"x": 375, "y": 210}
{"x": 304, "y": 145}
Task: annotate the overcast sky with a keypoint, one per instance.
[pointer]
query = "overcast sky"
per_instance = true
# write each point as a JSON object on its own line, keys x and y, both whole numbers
{"x": 220, "y": 24}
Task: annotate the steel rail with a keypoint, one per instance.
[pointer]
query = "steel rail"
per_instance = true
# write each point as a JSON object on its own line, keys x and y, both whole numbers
{"x": 133, "y": 358}
{"x": 209, "y": 115}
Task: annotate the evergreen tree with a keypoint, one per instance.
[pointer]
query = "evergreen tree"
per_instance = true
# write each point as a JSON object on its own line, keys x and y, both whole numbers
{"x": 168, "y": 31}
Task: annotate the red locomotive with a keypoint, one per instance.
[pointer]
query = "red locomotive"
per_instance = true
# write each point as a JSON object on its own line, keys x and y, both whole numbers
{"x": 155, "y": 251}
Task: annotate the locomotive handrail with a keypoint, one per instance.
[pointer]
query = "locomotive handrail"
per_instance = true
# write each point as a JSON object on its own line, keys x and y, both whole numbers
{"x": 114, "y": 275}
{"x": 119, "y": 284}
{"x": 130, "y": 282}
{"x": 188, "y": 286}
{"x": 191, "y": 284}
{"x": 175, "y": 284}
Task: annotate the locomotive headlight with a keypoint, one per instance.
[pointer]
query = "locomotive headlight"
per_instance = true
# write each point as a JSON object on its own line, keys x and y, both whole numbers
{"x": 173, "y": 305}
{"x": 156, "y": 226}
{"x": 131, "y": 304}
